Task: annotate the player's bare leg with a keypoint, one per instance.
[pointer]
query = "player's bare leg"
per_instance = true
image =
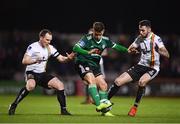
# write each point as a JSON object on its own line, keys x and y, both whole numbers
{"x": 140, "y": 93}
{"x": 90, "y": 79}
{"x": 59, "y": 86}
{"x": 92, "y": 88}
{"x": 102, "y": 84}
{"x": 122, "y": 79}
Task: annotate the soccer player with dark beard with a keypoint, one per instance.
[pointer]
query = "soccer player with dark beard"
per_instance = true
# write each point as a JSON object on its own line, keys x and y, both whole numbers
{"x": 148, "y": 66}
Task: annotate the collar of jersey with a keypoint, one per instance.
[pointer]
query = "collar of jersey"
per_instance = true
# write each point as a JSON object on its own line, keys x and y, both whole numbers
{"x": 149, "y": 37}
{"x": 41, "y": 45}
{"x": 98, "y": 41}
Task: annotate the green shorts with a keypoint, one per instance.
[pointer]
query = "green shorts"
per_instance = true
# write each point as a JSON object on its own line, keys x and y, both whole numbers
{"x": 83, "y": 68}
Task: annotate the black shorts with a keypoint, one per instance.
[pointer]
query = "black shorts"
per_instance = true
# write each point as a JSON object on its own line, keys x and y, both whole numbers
{"x": 83, "y": 69}
{"x": 138, "y": 70}
{"x": 41, "y": 79}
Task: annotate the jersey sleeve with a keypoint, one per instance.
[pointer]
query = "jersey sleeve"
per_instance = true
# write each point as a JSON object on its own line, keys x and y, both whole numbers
{"x": 82, "y": 42}
{"x": 110, "y": 44}
{"x": 30, "y": 50}
{"x": 113, "y": 45}
{"x": 159, "y": 42}
{"x": 136, "y": 42}
{"x": 53, "y": 51}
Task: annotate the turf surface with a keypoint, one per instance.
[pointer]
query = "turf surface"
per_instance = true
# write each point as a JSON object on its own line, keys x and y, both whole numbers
{"x": 45, "y": 109}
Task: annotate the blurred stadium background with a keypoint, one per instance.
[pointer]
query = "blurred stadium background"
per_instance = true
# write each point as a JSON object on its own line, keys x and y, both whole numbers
{"x": 21, "y": 21}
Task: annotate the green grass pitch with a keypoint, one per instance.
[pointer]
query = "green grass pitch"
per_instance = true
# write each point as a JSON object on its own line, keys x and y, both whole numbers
{"x": 45, "y": 109}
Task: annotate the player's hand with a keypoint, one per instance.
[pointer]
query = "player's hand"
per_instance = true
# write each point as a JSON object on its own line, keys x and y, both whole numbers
{"x": 38, "y": 60}
{"x": 94, "y": 51}
{"x": 133, "y": 51}
{"x": 71, "y": 56}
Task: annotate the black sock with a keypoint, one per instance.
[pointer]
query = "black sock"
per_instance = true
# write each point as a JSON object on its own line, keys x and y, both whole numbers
{"x": 140, "y": 94}
{"x": 112, "y": 90}
{"x": 87, "y": 93}
{"x": 62, "y": 99}
{"x": 23, "y": 92}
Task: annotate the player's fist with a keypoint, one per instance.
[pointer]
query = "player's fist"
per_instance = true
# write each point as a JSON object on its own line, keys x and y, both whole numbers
{"x": 133, "y": 51}
{"x": 94, "y": 51}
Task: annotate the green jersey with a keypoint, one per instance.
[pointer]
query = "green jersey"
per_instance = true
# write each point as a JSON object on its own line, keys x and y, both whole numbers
{"x": 87, "y": 43}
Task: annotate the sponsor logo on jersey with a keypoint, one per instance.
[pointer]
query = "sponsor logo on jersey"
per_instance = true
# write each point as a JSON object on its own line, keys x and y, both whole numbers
{"x": 151, "y": 72}
{"x": 81, "y": 43}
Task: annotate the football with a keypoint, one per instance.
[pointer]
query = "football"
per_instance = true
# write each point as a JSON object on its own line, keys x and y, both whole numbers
{"x": 106, "y": 101}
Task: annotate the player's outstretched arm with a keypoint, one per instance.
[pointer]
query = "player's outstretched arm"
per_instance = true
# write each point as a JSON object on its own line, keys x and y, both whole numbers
{"x": 67, "y": 58}
{"x": 163, "y": 51}
{"x": 132, "y": 50}
{"x": 120, "y": 48}
{"x": 82, "y": 51}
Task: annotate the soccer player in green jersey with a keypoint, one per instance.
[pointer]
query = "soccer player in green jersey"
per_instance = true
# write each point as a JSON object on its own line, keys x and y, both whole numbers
{"x": 89, "y": 49}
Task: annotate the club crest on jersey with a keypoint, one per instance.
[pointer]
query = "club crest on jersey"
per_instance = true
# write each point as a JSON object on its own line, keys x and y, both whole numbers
{"x": 29, "y": 48}
{"x": 160, "y": 40}
{"x": 87, "y": 68}
{"x": 103, "y": 46}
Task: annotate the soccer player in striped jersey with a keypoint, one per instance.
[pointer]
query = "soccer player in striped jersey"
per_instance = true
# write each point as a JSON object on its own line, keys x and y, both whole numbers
{"x": 151, "y": 47}
{"x": 35, "y": 59}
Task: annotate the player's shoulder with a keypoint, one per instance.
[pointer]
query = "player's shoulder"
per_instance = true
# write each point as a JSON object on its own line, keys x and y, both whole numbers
{"x": 157, "y": 38}
{"x": 139, "y": 39}
{"x": 87, "y": 37}
{"x": 105, "y": 38}
{"x": 33, "y": 45}
{"x": 51, "y": 47}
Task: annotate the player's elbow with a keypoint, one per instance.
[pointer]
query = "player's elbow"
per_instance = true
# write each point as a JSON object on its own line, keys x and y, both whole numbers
{"x": 75, "y": 48}
{"x": 168, "y": 55}
{"x": 23, "y": 62}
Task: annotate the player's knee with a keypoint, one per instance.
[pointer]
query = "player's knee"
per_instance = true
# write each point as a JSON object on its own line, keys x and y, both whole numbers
{"x": 103, "y": 86}
{"x": 118, "y": 81}
{"x": 91, "y": 81}
{"x": 30, "y": 86}
{"x": 56, "y": 84}
{"x": 60, "y": 86}
{"x": 142, "y": 83}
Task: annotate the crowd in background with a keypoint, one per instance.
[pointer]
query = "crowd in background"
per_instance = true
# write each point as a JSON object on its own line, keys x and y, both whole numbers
{"x": 13, "y": 45}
